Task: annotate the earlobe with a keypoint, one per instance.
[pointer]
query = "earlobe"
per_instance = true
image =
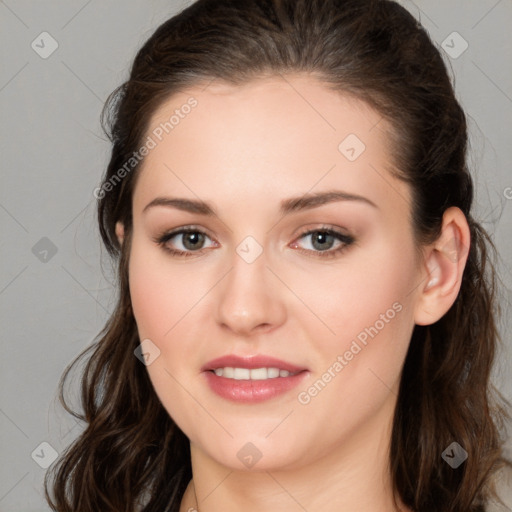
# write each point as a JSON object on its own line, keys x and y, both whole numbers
{"x": 120, "y": 232}
{"x": 444, "y": 265}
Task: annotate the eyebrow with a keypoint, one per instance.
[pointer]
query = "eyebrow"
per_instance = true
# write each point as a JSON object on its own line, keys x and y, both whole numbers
{"x": 293, "y": 204}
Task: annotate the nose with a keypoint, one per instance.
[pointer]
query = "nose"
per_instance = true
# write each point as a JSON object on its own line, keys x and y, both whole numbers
{"x": 250, "y": 298}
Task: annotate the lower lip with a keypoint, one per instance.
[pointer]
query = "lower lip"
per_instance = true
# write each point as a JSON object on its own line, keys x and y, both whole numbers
{"x": 252, "y": 391}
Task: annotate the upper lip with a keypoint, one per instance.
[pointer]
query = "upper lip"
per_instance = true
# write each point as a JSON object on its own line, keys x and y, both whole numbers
{"x": 251, "y": 362}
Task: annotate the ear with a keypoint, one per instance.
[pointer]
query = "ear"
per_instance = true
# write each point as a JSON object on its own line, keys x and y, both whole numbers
{"x": 120, "y": 232}
{"x": 443, "y": 266}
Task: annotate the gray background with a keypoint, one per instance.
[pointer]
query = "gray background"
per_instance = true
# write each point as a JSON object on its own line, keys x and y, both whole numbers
{"x": 53, "y": 153}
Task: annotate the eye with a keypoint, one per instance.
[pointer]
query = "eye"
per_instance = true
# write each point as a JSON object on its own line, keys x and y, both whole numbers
{"x": 323, "y": 240}
{"x": 189, "y": 241}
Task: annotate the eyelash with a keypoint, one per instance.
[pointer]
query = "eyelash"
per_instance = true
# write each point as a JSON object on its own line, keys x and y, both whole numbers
{"x": 347, "y": 240}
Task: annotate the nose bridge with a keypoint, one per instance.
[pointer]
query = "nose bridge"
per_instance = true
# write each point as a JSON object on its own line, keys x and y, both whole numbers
{"x": 248, "y": 299}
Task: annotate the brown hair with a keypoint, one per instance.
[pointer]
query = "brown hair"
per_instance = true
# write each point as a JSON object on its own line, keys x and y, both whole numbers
{"x": 131, "y": 455}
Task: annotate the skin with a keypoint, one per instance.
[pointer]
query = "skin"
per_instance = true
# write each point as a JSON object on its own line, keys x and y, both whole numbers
{"x": 244, "y": 149}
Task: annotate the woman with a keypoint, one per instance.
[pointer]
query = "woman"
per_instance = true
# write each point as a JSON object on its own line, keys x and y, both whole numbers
{"x": 306, "y": 305}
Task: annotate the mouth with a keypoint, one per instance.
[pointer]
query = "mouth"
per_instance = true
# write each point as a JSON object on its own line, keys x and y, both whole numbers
{"x": 251, "y": 379}
{"x": 255, "y": 362}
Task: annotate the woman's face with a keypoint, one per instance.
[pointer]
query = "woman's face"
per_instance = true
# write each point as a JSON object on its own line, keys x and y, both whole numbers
{"x": 275, "y": 267}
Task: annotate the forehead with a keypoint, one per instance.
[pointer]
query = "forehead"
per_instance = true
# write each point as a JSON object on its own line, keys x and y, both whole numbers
{"x": 289, "y": 132}
{"x": 291, "y": 106}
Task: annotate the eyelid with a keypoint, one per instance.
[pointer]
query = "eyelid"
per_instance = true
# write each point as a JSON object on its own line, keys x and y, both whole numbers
{"x": 323, "y": 228}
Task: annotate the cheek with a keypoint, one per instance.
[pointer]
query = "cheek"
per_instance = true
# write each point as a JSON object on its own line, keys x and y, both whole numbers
{"x": 169, "y": 302}
{"x": 161, "y": 299}
{"x": 358, "y": 371}
{"x": 150, "y": 298}
{"x": 368, "y": 307}
{"x": 368, "y": 293}
{"x": 161, "y": 293}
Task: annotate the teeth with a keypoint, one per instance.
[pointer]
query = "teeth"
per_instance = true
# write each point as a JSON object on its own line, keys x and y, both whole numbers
{"x": 241, "y": 373}
{"x": 251, "y": 374}
{"x": 259, "y": 374}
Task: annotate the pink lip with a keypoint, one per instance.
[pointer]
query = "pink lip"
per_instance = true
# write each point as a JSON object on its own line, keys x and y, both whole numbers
{"x": 251, "y": 391}
{"x": 251, "y": 362}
